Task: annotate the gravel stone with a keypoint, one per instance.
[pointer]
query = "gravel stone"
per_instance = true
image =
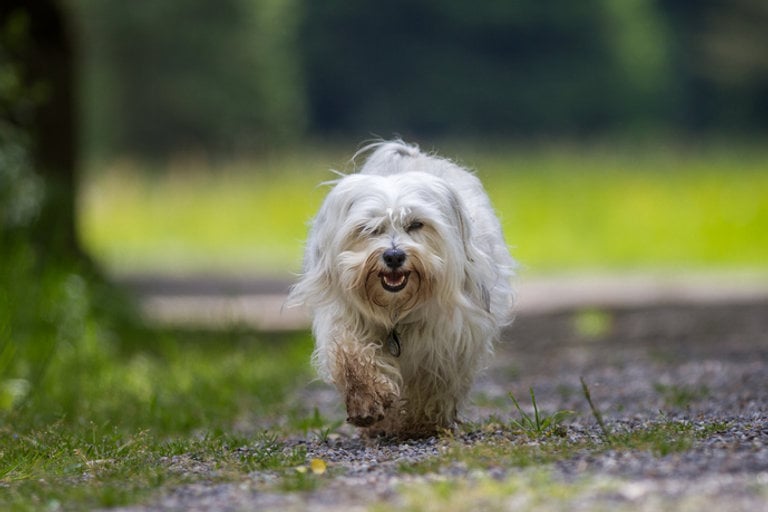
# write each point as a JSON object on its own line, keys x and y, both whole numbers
{"x": 703, "y": 365}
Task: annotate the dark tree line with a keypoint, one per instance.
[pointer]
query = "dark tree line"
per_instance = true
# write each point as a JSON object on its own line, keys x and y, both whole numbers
{"x": 233, "y": 75}
{"x": 251, "y": 74}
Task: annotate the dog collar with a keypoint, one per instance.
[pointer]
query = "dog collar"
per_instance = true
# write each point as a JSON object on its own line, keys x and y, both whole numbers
{"x": 393, "y": 343}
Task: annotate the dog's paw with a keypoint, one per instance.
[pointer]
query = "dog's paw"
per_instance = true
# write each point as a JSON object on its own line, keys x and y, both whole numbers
{"x": 366, "y": 407}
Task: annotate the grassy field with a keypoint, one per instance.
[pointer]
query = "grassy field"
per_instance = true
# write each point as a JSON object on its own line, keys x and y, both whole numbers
{"x": 563, "y": 208}
{"x": 117, "y": 414}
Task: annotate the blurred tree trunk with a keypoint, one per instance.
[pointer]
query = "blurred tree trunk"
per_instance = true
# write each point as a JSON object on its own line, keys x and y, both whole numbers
{"x": 42, "y": 52}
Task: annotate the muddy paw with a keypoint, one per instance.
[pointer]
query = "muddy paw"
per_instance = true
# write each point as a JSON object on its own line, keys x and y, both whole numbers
{"x": 365, "y": 408}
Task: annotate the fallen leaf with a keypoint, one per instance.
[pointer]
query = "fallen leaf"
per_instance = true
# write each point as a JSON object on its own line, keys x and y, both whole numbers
{"x": 317, "y": 466}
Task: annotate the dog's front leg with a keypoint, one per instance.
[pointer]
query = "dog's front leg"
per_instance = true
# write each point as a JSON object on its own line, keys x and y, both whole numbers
{"x": 367, "y": 382}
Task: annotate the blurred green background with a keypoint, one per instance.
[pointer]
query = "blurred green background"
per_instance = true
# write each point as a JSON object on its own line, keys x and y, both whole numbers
{"x": 189, "y": 136}
{"x": 611, "y": 135}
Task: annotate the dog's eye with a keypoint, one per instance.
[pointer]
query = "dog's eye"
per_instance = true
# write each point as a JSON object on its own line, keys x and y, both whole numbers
{"x": 369, "y": 231}
{"x": 414, "y": 226}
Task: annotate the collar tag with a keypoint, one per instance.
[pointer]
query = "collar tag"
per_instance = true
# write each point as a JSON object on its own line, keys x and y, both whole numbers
{"x": 393, "y": 343}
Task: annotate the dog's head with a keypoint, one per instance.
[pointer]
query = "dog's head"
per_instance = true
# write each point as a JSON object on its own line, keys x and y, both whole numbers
{"x": 387, "y": 244}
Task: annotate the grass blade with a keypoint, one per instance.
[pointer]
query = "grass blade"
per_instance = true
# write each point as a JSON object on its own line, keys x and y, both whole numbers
{"x": 595, "y": 411}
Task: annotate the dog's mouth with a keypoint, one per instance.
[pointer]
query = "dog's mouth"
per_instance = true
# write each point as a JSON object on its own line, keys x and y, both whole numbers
{"x": 394, "y": 281}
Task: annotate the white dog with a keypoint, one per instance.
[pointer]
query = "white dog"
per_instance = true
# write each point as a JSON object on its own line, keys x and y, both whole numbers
{"x": 407, "y": 276}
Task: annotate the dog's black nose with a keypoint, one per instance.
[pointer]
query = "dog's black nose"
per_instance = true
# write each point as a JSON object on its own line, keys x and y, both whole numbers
{"x": 394, "y": 258}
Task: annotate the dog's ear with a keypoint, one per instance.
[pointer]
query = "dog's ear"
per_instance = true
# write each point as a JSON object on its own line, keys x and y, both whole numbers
{"x": 323, "y": 242}
{"x": 463, "y": 224}
{"x": 315, "y": 279}
{"x": 474, "y": 286}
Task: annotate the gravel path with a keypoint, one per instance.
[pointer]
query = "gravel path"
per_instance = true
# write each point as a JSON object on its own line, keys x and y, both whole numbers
{"x": 700, "y": 364}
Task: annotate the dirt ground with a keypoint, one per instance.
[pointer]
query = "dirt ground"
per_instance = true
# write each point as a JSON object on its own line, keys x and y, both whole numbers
{"x": 633, "y": 359}
{"x": 702, "y": 363}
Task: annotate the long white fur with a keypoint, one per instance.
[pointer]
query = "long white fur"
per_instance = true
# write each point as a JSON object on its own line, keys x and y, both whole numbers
{"x": 450, "y": 313}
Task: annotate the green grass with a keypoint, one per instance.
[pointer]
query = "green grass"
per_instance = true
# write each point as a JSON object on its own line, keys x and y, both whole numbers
{"x": 102, "y": 467}
{"x": 507, "y": 449}
{"x": 562, "y": 208}
{"x": 102, "y": 430}
{"x": 680, "y": 396}
{"x": 539, "y": 424}
{"x": 509, "y": 467}
{"x": 542, "y": 439}
{"x": 587, "y": 209}
{"x": 522, "y": 465}
{"x": 530, "y": 490}
{"x": 248, "y": 216}
{"x": 97, "y": 410}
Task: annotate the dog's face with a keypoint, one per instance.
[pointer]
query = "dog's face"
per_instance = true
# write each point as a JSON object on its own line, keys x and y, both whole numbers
{"x": 390, "y": 243}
